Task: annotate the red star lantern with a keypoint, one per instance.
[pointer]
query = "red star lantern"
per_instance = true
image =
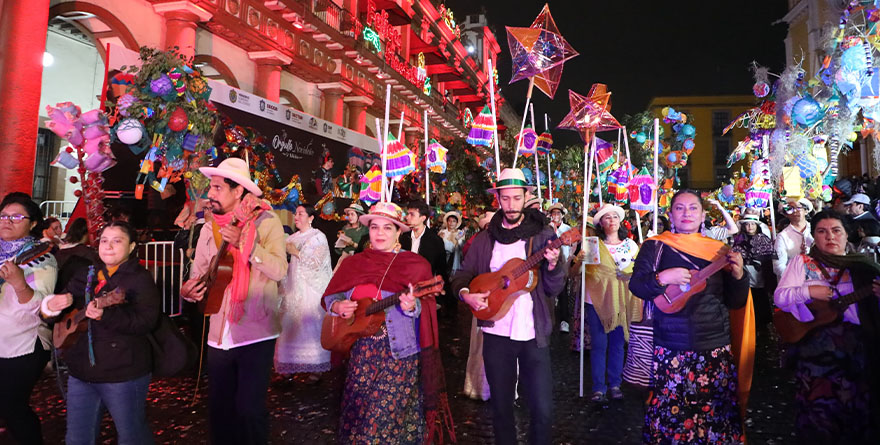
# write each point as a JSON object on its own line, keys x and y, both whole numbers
{"x": 590, "y": 115}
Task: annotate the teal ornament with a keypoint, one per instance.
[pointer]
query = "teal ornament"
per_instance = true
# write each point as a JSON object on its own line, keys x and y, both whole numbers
{"x": 641, "y": 138}
{"x": 853, "y": 59}
{"x": 807, "y": 111}
{"x": 688, "y": 130}
{"x": 688, "y": 144}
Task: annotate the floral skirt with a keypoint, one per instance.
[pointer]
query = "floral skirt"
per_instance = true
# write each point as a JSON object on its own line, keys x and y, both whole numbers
{"x": 382, "y": 401}
{"x": 833, "y": 394}
{"x": 576, "y": 328}
{"x": 694, "y": 399}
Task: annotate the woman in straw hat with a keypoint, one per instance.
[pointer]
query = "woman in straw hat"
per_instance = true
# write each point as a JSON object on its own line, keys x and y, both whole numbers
{"x": 394, "y": 390}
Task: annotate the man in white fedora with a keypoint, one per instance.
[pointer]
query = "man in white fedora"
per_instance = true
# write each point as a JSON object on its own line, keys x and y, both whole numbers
{"x": 522, "y": 336}
{"x": 243, "y": 333}
{"x": 556, "y": 211}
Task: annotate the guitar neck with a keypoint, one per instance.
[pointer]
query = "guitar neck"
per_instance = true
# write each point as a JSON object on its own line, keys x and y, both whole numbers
{"x": 384, "y": 303}
{"x": 536, "y": 258}
{"x": 857, "y": 295}
{"x": 712, "y": 268}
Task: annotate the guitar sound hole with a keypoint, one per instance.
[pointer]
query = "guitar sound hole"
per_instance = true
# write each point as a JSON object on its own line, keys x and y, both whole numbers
{"x": 506, "y": 282}
{"x": 69, "y": 322}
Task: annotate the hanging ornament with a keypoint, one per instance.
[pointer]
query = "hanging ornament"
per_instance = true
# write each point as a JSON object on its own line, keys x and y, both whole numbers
{"x": 399, "y": 159}
{"x": 178, "y": 120}
{"x": 529, "y": 142}
{"x": 483, "y": 129}
{"x": 436, "y": 157}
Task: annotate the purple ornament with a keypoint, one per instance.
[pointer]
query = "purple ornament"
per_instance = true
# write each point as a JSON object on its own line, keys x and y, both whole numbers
{"x": 124, "y": 102}
{"x": 162, "y": 85}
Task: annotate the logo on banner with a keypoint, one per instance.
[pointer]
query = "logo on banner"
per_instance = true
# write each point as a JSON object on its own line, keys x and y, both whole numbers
{"x": 313, "y": 124}
{"x": 291, "y": 149}
{"x": 328, "y": 128}
{"x": 287, "y": 114}
{"x": 233, "y": 96}
{"x": 262, "y": 105}
{"x": 341, "y": 132}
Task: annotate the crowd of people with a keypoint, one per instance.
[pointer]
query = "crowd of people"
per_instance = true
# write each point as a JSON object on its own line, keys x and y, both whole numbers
{"x": 650, "y": 316}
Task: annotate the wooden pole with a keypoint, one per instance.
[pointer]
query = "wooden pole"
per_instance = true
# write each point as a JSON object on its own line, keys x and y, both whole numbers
{"x": 522, "y": 126}
{"x": 494, "y": 119}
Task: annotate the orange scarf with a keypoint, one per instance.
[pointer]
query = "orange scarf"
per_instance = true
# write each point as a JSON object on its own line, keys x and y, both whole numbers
{"x": 247, "y": 212}
{"x": 742, "y": 320}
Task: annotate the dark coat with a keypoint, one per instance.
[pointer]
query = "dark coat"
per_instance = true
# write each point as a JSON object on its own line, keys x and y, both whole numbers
{"x": 704, "y": 322}
{"x": 431, "y": 248}
{"x": 122, "y": 351}
{"x": 477, "y": 261}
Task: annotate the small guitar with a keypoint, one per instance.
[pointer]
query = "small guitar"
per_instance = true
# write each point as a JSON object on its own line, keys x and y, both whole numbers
{"x": 67, "y": 330}
{"x": 216, "y": 279}
{"x": 824, "y": 312}
{"x": 515, "y": 276}
{"x": 338, "y": 334}
{"x": 34, "y": 251}
{"x": 676, "y": 297}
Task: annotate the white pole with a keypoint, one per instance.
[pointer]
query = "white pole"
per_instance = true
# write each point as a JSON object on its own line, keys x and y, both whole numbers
{"x": 522, "y": 126}
{"x": 549, "y": 177}
{"x": 494, "y": 119}
{"x": 598, "y": 178}
{"x": 766, "y": 150}
{"x": 427, "y": 172}
{"x": 656, "y": 182}
{"x": 628, "y": 169}
{"x": 537, "y": 166}
{"x": 587, "y": 179}
{"x": 382, "y": 139}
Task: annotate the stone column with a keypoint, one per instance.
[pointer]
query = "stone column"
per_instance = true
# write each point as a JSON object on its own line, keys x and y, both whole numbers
{"x": 357, "y": 112}
{"x": 268, "y": 80}
{"x": 181, "y": 20}
{"x": 333, "y": 93}
{"x": 22, "y": 44}
{"x": 414, "y": 138}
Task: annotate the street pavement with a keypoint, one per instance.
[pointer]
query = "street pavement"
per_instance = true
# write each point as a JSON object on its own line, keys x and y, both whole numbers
{"x": 306, "y": 413}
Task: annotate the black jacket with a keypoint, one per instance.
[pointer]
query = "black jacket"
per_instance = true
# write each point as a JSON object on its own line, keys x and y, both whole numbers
{"x": 431, "y": 248}
{"x": 122, "y": 351}
{"x": 704, "y": 323}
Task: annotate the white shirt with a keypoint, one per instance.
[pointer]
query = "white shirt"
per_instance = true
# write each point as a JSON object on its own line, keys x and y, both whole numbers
{"x": 519, "y": 322}
{"x": 416, "y": 240}
{"x": 789, "y": 243}
{"x": 21, "y": 323}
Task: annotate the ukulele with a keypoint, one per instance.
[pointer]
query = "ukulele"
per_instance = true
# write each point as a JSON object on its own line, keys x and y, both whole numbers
{"x": 824, "y": 312}
{"x": 676, "y": 297}
{"x": 338, "y": 334}
{"x": 30, "y": 253}
{"x": 517, "y": 275}
{"x": 67, "y": 330}
{"x": 217, "y": 278}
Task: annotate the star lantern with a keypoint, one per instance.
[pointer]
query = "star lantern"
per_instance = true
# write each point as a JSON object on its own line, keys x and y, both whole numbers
{"x": 538, "y": 52}
{"x": 589, "y": 114}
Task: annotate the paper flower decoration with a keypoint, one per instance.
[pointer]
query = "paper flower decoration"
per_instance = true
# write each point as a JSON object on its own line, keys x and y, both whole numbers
{"x": 399, "y": 159}
{"x": 641, "y": 191}
{"x": 436, "y": 157}
{"x": 529, "y": 143}
{"x": 537, "y": 49}
{"x": 371, "y": 185}
{"x": 589, "y": 114}
{"x": 545, "y": 143}
{"x": 483, "y": 130}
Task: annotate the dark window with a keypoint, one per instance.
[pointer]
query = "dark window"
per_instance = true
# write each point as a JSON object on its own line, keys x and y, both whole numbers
{"x": 720, "y": 120}
{"x": 45, "y": 143}
{"x": 722, "y": 150}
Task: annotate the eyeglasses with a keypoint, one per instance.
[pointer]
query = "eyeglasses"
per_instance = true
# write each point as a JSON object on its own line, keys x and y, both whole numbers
{"x": 17, "y": 218}
{"x": 788, "y": 209}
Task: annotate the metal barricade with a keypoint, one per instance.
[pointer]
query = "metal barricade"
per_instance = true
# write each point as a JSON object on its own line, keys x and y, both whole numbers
{"x": 166, "y": 264}
{"x": 58, "y": 209}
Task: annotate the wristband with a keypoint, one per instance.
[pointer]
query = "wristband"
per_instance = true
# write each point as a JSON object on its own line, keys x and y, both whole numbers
{"x": 464, "y": 289}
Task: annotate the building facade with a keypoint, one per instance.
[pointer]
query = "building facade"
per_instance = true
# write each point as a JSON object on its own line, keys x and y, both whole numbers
{"x": 328, "y": 58}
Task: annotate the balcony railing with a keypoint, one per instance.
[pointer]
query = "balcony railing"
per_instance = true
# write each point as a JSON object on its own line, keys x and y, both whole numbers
{"x": 336, "y": 17}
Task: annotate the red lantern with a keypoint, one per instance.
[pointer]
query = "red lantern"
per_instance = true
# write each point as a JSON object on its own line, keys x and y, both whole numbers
{"x": 178, "y": 120}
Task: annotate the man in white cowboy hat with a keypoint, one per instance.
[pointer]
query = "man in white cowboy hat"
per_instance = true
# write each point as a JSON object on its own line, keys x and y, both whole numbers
{"x": 795, "y": 239}
{"x": 556, "y": 212}
{"x": 353, "y": 232}
{"x": 243, "y": 333}
{"x": 522, "y": 335}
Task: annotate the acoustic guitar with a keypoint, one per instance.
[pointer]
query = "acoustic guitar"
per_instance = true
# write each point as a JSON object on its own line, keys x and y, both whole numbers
{"x": 29, "y": 254}
{"x": 67, "y": 330}
{"x": 338, "y": 334}
{"x": 824, "y": 312}
{"x": 217, "y": 278}
{"x": 676, "y": 297}
{"x": 517, "y": 275}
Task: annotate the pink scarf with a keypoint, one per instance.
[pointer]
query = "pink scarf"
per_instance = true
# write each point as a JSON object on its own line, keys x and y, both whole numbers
{"x": 246, "y": 213}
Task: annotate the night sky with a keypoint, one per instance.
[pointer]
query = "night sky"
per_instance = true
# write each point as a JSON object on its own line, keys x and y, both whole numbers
{"x": 642, "y": 48}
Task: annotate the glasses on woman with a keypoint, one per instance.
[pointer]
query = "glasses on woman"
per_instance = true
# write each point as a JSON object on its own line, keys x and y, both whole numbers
{"x": 16, "y": 218}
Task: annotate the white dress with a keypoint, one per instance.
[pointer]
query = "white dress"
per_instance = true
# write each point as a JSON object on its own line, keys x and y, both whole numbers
{"x": 299, "y": 346}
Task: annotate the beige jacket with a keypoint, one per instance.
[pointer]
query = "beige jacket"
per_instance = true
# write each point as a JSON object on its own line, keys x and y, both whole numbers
{"x": 268, "y": 266}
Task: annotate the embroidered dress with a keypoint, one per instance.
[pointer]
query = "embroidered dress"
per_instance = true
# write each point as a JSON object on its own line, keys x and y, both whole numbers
{"x": 299, "y": 346}
{"x": 640, "y": 353}
{"x": 694, "y": 398}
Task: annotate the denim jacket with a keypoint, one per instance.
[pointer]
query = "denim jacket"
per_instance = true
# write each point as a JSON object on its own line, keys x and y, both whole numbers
{"x": 402, "y": 326}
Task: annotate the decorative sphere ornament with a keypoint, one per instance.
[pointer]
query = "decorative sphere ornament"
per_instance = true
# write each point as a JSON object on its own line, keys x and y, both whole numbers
{"x": 77, "y": 193}
{"x": 178, "y": 120}
{"x": 761, "y": 89}
{"x": 854, "y": 59}
{"x": 129, "y": 131}
{"x": 641, "y": 138}
{"x": 74, "y": 179}
{"x": 688, "y": 130}
{"x": 807, "y": 111}
{"x": 124, "y": 102}
{"x": 161, "y": 85}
